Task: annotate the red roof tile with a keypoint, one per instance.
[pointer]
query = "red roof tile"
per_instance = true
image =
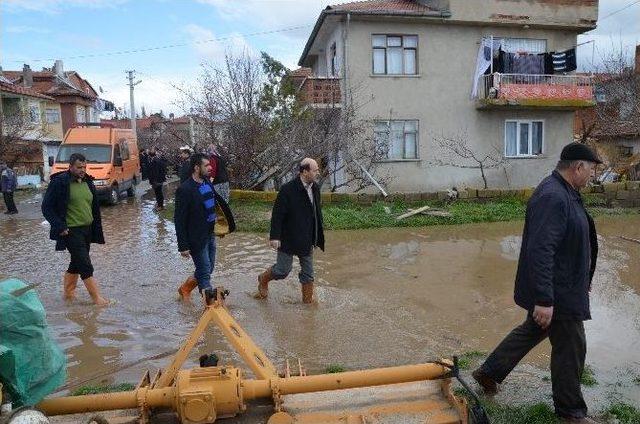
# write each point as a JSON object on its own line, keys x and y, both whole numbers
{"x": 384, "y": 6}
{"x": 45, "y": 82}
{"x": 25, "y": 91}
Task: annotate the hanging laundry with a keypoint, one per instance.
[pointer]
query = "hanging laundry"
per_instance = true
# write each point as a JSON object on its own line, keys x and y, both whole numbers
{"x": 483, "y": 61}
{"x": 564, "y": 61}
{"x": 548, "y": 63}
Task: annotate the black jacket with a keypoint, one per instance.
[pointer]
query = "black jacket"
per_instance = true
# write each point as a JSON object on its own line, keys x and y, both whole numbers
{"x": 295, "y": 222}
{"x": 56, "y": 201}
{"x": 190, "y": 219}
{"x": 185, "y": 171}
{"x": 559, "y": 252}
{"x": 157, "y": 170}
{"x": 222, "y": 176}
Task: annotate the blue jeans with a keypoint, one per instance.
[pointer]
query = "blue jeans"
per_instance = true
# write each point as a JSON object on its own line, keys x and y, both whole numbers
{"x": 284, "y": 262}
{"x": 205, "y": 260}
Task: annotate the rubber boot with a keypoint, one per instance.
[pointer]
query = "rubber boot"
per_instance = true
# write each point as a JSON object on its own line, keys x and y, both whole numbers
{"x": 92, "y": 287}
{"x": 307, "y": 292}
{"x": 263, "y": 284}
{"x": 184, "y": 291}
{"x": 70, "y": 282}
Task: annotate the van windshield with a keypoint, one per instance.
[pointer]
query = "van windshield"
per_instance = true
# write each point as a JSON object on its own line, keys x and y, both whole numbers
{"x": 94, "y": 153}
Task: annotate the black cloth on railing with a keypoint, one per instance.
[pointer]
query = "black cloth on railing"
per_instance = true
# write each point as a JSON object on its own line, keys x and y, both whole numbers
{"x": 564, "y": 61}
{"x": 548, "y": 63}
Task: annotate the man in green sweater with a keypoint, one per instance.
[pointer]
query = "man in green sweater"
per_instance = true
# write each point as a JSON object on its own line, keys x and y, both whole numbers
{"x": 71, "y": 207}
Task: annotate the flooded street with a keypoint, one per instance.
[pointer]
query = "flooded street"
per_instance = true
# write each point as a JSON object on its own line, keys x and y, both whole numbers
{"x": 386, "y": 297}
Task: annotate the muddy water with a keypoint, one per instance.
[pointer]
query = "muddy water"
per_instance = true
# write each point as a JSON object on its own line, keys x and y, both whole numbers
{"x": 387, "y": 297}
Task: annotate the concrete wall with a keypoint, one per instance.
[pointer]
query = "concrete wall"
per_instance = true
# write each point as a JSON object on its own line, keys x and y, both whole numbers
{"x": 562, "y": 13}
{"x": 439, "y": 97}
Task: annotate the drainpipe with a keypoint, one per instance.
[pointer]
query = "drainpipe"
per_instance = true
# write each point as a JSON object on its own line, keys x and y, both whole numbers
{"x": 345, "y": 36}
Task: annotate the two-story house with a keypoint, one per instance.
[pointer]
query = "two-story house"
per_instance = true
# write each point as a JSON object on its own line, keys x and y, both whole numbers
{"x": 74, "y": 101}
{"x": 27, "y": 127}
{"x": 497, "y": 74}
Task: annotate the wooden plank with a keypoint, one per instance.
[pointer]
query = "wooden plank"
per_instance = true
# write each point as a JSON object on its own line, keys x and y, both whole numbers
{"x": 413, "y": 212}
{"x": 630, "y": 239}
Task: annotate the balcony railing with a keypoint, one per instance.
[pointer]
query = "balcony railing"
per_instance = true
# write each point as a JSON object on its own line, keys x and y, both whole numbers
{"x": 321, "y": 92}
{"x": 530, "y": 91}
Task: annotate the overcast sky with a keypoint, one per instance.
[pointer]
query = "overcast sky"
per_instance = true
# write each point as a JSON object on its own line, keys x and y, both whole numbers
{"x": 39, "y": 31}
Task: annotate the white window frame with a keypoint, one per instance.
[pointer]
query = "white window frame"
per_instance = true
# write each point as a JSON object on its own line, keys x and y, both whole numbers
{"x": 49, "y": 112}
{"x": 34, "y": 118}
{"x": 530, "y": 123}
{"x": 402, "y": 46}
{"x": 81, "y": 109}
{"x": 404, "y": 132}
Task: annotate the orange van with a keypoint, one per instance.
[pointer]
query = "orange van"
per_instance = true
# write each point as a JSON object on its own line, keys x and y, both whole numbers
{"x": 112, "y": 158}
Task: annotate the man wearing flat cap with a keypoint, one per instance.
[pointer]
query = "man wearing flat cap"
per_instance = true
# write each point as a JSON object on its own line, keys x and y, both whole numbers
{"x": 553, "y": 281}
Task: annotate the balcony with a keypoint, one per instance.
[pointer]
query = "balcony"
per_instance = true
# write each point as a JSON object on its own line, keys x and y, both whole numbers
{"x": 321, "y": 92}
{"x": 512, "y": 91}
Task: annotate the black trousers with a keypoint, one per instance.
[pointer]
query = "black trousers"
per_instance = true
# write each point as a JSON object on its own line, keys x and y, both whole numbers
{"x": 568, "y": 351}
{"x": 157, "y": 189}
{"x": 78, "y": 243}
{"x": 8, "y": 200}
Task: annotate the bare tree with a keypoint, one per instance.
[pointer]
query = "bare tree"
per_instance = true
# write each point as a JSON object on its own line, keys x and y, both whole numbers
{"x": 20, "y": 138}
{"x": 456, "y": 151}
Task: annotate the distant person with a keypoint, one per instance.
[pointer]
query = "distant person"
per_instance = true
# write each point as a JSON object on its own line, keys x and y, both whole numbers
{"x": 296, "y": 228}
{"x": 195, "y": 220}
{"x": 144, "y": 164}
{"x": 71, "y": 206}
{"x": 184, "y": 171}
{"x": 157, "y": 176}
{"x": 8, "y": 185}
{"x": 219, "y": 174}
{"x": 555, "y": 270}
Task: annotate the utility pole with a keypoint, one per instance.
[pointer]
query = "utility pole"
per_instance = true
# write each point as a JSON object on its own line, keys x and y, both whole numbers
{"x": 132, "y": 111}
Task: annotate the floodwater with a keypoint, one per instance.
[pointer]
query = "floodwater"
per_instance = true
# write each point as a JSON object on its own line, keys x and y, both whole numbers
{"x": 386, "y": 297}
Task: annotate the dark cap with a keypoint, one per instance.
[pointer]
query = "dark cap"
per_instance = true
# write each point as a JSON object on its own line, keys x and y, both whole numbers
{"x": 579, "y": 151}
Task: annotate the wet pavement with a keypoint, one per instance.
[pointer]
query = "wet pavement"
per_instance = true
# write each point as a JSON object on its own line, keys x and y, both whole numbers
{"x": 386, "y": 297}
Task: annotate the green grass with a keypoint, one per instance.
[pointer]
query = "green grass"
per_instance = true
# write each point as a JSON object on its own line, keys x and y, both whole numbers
{"x": 254, "y": 216}
{"x": 587, "y": 378}
{"x": 334, "y": 368}
{"x": 538, "y": 413}
{"x": 470, "y": 358}
{"x": 624, "y": 413}
{"x": 93, "y": 390}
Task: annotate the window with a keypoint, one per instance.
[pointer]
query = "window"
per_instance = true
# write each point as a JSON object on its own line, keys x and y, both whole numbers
{"x": 80, "y": 114}
{"x": 124, "y": 149}
{"x": 625, "y": 151}
{"x": 93, "y": 152}
{"x": 529, "y": 45}
{"x": 395, "y": 54}
{"x": 334, "y": 65}
{"x": 34, "y": 113}
{"x": 523, "y": 138}
{"x": 53, "y": 116}
{"x": 397, "y": 139}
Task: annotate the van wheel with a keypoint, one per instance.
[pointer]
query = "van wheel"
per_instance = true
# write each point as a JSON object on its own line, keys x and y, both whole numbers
{"x": 114, "y": 196}
{"x": 131, "y": 191}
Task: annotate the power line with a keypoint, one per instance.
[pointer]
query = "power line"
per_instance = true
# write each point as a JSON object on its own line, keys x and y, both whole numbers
{"x": 619, "y": 10}
{"x": 169, "y": 46}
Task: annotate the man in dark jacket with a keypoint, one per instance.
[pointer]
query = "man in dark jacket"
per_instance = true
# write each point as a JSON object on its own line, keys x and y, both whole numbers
{"x": 219, "y": 174}
{"x": 71, "y": 206}
{"x": 157, "y": 176}
{"x": 296, "y": 228}
{"x": 184, "y": 171}
{"x": 553, "y": 281}
{"x": 195, "y": 219}
{"x": 8, "y": 184}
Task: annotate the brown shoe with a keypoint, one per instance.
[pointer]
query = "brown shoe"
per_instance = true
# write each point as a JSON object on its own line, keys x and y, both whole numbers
{"x": 184, "y": 291}
{"x": 70, "y": 282}
{"x": 489, "y": 386}
{"x": 307, "y": 292}
{"x": 263, "y": 284}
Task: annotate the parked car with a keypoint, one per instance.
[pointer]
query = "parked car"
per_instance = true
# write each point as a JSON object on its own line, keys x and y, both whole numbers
{"x": 112, "y": 158}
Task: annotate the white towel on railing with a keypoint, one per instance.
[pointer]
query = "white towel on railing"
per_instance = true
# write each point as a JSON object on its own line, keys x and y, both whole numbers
{"x": 483, "y": 62}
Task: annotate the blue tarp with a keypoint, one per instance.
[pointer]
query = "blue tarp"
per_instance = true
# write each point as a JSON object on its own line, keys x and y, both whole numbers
{"x": 32, "y": 365}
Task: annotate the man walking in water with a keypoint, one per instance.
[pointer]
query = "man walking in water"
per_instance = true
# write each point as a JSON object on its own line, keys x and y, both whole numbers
{"x": 71, "y": 206}
{"x": 296, "y": 228}
{"x": 553, "y": 281}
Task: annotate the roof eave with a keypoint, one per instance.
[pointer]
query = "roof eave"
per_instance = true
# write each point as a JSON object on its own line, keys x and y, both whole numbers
{"x": 326, "y": 12}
